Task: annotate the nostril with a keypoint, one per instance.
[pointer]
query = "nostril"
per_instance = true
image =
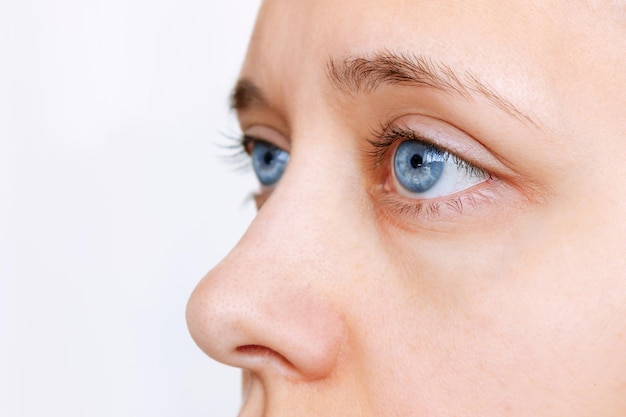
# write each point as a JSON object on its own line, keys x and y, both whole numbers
{"x": 255, "y": 350}
{"x": 263, "y": 353}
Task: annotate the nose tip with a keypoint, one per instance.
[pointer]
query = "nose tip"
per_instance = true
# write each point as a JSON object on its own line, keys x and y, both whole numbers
{"x": 255, "y": 319}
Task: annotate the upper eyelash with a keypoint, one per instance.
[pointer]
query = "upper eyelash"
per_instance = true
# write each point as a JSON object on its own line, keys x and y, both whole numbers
{"x": 383, "y": 140}
{"x": 386, "y": 135}
{"x": 237, "y": 150}
{"x": 238, "y": 156}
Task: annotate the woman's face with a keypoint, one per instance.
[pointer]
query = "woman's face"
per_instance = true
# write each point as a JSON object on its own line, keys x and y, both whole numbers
{"x": 449, "y": 235}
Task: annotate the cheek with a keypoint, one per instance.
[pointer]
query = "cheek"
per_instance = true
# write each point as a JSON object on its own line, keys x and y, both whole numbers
{"x": 515, "y": 318}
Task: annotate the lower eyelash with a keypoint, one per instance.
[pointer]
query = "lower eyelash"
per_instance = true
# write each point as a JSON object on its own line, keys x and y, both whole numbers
{"x": 420, "y": 211}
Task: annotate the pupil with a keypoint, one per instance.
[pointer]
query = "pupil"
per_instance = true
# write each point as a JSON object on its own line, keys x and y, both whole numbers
{"x": 268, "y": 158}
{"x": 416, "y": 161}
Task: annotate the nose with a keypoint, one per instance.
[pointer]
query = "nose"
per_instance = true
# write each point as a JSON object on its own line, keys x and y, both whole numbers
{"x": 268, "y": 307}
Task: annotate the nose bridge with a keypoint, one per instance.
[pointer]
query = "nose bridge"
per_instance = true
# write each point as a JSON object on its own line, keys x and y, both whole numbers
{"x": 268, "y": 305}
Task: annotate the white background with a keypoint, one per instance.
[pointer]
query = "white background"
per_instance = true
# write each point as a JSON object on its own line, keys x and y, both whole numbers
{"x": 114, "y": 202}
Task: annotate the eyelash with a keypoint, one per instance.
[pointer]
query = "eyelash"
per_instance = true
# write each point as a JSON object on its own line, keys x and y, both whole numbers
{"x": 385, "y": 138}
{"x": 235, "y": 151}
{"x": 236, "y": 155}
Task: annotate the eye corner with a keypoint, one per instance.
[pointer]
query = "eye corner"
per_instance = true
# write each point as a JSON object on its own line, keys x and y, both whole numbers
{"x": 247, "y": 143}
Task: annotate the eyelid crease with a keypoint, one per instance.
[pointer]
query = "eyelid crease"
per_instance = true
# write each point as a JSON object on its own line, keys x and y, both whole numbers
{"x": 266, "y": 134}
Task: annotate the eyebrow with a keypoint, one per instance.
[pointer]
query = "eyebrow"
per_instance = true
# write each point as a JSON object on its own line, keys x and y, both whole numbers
{"x": 356, "y": 75}
{"x": 245, "y": 95}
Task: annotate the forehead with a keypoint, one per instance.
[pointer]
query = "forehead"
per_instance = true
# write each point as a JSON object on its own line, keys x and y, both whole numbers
{"x": 533, "y": 52}
{"x": 300, "y": 29}
{"x": 293, "y": 39}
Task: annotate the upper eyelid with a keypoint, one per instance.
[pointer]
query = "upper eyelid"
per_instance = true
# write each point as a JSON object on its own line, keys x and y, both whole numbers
{"x": 247, "y": 142}
{"x": 266, "y": 134}
{"x": 387, "y": 135}
{"x": 383, "y": 136}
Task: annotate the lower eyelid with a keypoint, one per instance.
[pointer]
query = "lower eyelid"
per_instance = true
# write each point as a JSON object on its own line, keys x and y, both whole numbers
{"x": 260, "y": 198}
{"x": 416, "y": 214}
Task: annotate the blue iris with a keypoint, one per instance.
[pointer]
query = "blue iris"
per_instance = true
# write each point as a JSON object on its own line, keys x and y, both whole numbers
{"x": 268, "y": 162}
{"x": 418, "y": 166}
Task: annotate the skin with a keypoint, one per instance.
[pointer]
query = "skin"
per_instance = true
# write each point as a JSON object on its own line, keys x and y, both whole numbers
{"x": 336, "y": 302}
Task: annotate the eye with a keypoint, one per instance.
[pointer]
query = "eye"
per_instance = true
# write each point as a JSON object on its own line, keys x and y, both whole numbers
{"x": 268, "y": 161}
{"x": 421, "y": 170}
